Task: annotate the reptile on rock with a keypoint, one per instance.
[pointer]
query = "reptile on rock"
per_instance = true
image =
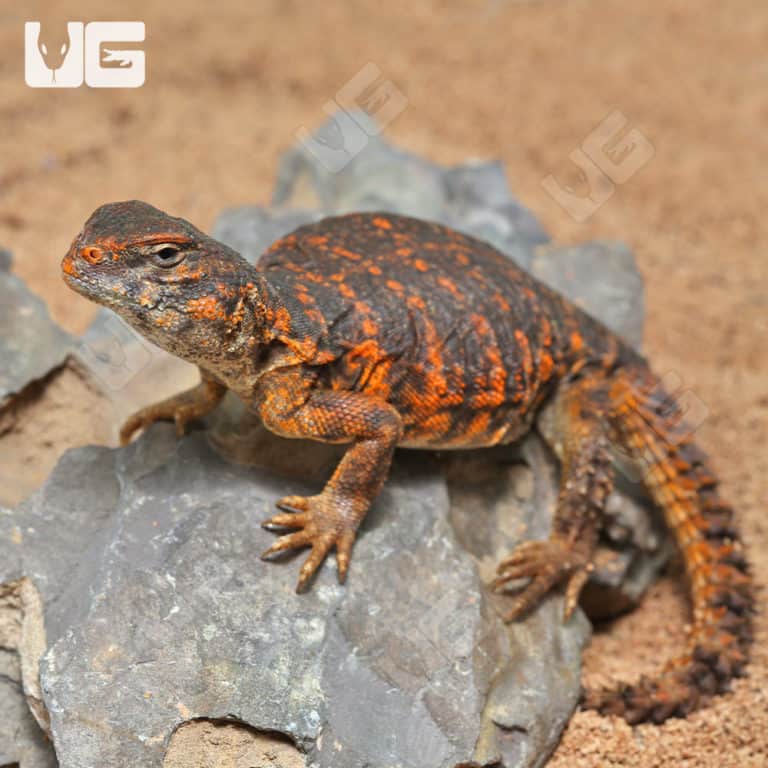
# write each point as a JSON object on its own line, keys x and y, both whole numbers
{"x": 377, "y": 331}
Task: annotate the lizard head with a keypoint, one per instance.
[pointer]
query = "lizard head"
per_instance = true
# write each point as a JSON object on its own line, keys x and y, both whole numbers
{"x": 162, "y": 275}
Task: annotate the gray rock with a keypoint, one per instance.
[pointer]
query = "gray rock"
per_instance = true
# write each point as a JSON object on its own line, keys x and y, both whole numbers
{"x": 31, "y": 344}
{"x": 250, "y": 230}
{"x": 376, "y": 177}
{"x": 637, "y": 547}
{"x": 10, "y": 566}
{"x": 601, "y": 278}
{"x": 531, "y": 701}
{"x": 21, "y": 740}
{"x": 479, "y": 203}
{"x": 474, "y": 197}
{"x": 6, "y": 260}
{"x": 158, "y": 611}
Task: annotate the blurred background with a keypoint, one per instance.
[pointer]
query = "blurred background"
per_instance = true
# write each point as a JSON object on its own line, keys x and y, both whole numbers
{"x": 229, "y": 83}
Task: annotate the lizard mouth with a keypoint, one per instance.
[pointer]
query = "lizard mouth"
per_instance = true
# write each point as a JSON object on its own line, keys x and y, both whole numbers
{"x": 72, "y": 281}
{"x": 70, "y": 274}
{"x": 75, "y": 281}
{"x": 81, "y": 284}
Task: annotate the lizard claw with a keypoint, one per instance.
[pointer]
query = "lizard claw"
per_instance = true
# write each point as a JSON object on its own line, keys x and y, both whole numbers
{"x": 320, "y": 526}
{"x": 546, "y": 564}
{"x": 286, "y": 520}
{"x": 294, "y": 503}
{"x": 289, "y": 541}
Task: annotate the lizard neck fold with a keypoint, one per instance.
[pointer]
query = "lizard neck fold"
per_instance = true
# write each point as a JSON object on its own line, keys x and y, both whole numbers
{"x": 290, "y": 316}
{"x": 231, "y": 325}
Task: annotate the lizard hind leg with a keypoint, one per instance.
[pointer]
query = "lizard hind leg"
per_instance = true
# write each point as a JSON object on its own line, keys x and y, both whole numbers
{"x": 576, "y": 431}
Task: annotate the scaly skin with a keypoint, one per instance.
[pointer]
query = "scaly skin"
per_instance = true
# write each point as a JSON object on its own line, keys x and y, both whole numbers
{"x": 376, "y": 331}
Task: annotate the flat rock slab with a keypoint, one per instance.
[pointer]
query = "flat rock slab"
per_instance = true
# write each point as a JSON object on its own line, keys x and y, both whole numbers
{"x": 158, "y": 610}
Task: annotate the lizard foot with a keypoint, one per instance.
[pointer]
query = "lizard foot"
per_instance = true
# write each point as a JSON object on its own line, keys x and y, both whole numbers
{"x": 321, "y": 527}
{"x": 546, "y": 564}
{"x": 181, "y": 415}
{"x": 181, "y": 409}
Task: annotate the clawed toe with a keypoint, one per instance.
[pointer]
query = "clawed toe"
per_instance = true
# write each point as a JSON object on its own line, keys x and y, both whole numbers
{"x": 530, "y": 559}
{"x": 286, "y": 520}
{"x": 526, "y": 552}
{"x": 320, "y": 549}
{"x": 294, "y": 503}
{"x": 527, "y": 599}
{"x": 289, "y": 541}
{"x": 545, "y": 563}
{"x": 344, "y": 554}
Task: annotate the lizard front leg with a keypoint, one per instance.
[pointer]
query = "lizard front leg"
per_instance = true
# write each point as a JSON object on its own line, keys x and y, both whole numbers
{"x": 181, "y": 408}
{"x": 290, "y": 407}
{"x": 577, "y": 433}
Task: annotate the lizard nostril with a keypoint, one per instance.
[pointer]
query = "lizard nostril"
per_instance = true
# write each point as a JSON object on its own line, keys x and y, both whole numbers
{"x": 92, "y": 255}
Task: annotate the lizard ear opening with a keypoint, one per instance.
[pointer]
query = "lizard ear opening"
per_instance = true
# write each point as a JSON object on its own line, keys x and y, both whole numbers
{"x": 167, "y": 255}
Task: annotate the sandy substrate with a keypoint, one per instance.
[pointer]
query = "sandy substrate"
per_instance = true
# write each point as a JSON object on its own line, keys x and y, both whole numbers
{"x": 523, "y": 81}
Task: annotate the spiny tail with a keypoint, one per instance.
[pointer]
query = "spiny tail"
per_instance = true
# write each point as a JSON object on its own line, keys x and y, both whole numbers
{"x": 647, "y": 424}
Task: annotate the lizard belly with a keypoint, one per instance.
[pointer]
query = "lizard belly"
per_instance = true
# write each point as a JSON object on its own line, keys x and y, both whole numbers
{"x": 450, "y": 410}
{"x": 474, "y": 429}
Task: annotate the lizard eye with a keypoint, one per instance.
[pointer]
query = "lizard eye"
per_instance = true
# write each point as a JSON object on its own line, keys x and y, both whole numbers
{"x": 167, "y": 255}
